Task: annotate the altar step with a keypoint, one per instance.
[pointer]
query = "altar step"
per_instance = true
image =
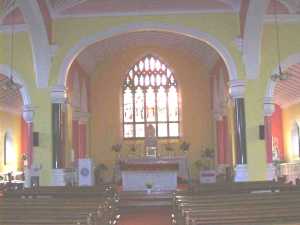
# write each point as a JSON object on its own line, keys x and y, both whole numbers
{"x": 141, "y": 198}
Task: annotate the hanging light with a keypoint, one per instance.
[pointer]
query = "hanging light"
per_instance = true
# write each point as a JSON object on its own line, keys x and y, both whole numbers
{"x": 281, "y": 75}
{"x": 8, "y": 87}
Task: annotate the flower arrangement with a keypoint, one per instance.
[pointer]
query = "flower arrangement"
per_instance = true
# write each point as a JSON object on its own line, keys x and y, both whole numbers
{"x": 116, "y": 148}
{"x": 206, "y": 162}
{"x": 184, "y": 146}
{"x": 149, "y": 185}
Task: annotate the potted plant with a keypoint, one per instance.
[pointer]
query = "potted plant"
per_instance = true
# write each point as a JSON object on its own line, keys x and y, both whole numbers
{"x": 206, "y": 166}
{"x": 149, "y": 186}
{"x": 99, "y": 172}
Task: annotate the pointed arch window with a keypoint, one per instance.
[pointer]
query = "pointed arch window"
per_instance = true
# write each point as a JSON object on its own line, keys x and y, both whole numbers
{"x": 150, "y": 97}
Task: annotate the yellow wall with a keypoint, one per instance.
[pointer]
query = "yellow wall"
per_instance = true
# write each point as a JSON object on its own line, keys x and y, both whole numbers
{"x": 106, "y": 108}
{"x": 222, "y": 26}
{"x": 68, "y": 32}
{"x": 290, "y": 115}
{"x": 10, "y": 123}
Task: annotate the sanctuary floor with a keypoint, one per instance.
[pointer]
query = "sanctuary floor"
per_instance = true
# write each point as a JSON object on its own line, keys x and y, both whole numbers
{"x": 145, "y": 216}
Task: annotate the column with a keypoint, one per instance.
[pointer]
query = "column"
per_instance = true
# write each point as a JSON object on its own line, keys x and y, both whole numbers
{"x": 269, "y": 108}
{"x": 28, "y": 114}
{"x": 237, "y": 89}
{"x": 75, "y": 133}
{"x": 220, "y": 139}
{"x": 58, "y": 103}
{"x": 82, "y": 133}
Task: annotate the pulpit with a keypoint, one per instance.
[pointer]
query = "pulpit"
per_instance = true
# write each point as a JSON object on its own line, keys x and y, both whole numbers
{"x": 161, "y": 174}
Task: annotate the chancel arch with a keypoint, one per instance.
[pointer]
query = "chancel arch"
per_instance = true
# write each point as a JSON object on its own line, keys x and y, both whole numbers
{"x": 16, "y": 121}
{"x": 137, "y": 27}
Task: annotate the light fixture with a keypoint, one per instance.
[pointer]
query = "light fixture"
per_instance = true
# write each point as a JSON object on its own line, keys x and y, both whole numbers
{"x": 281, "y": 75}
{"x": 8, "y": 87}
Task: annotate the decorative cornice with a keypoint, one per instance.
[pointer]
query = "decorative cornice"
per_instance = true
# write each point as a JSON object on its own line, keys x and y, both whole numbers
{"x": 237, "y": 88}
{"x": 82, "y": 117}
{"x": 17, "y": 28}
{"x": 58, "y": 94}
{"x": 290, "y": 18}
{"x": 141, "y": 13}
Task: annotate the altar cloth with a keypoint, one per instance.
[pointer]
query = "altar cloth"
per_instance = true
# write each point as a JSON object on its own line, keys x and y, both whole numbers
{"x": 161, "y": 175}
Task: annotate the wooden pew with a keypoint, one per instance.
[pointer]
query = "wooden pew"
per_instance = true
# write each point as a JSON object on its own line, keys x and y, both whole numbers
{"x": 244, "y": 207}
{"x": 56, "y": 205}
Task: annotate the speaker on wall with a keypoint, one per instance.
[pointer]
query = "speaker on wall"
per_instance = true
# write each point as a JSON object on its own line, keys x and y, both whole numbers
{"x": 261, "y": 132}
{"x": 35, "y": 139}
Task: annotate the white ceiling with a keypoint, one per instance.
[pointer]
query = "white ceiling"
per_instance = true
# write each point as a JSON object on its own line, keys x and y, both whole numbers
{"x": 73, "y": 7}
{"x": 287, "y": 92}
{"x": 94, "y": 54}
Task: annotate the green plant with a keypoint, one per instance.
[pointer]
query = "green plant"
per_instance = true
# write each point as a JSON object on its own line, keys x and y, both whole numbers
{"x": 116, "y": 148}
{"x": 99, "y": 172}
{"x": 206, "y": 162}
{"x": 184, "y": 146}
{"x": 149, "y": 185}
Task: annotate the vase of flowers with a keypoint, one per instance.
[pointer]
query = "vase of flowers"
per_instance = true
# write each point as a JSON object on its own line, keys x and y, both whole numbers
{"x": 149, "y": 187}
{"x": 117, "y": 149}
{"x": 184, "y": 147}
{"x": 206, "y": 166}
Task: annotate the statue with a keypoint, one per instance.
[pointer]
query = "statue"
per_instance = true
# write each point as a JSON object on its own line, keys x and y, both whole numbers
{"x": 150, "y": 142}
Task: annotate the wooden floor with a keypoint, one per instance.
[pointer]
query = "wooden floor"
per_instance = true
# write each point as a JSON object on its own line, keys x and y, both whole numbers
{"x": 158, "y": 215}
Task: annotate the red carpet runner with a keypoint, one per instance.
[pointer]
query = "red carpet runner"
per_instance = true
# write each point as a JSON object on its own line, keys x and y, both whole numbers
{"x": 146, "y": 216}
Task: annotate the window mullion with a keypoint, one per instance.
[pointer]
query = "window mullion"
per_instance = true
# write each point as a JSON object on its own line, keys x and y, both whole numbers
{"x": 156, "y": 113}
{"x": 145, "y": 109}
{"x": 167, "y": 105}
{"x": 133, "y": 105}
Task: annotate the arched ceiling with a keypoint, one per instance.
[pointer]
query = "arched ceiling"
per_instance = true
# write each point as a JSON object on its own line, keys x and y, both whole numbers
{"x": 287, "y": 92}
{"x": 78, "y": 8}
{"x": 10, "y": 101}
{"x": 94, "y": 54}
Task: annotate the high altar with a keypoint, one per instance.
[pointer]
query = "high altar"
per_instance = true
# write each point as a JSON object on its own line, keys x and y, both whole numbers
{"x": 160, "y": 172}
{"x": 162, "y": 175}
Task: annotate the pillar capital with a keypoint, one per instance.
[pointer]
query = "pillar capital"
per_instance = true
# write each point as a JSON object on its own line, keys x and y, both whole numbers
{"x": 269, "y": 106}
{"x": 28, "y": 113}
{"x": 58, "y": 94}
{"x": 84, "y": 118}
{"x": 237, "y": 88}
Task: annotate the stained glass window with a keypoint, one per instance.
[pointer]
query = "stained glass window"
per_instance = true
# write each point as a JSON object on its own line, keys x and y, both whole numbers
{"x": 150, "y": 96}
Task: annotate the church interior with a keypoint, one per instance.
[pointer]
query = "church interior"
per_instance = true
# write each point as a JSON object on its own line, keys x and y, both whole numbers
{"x": 155, "y": 112}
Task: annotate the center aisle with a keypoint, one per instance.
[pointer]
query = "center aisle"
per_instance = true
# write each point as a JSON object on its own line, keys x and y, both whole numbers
{"x": 146, "y": 216}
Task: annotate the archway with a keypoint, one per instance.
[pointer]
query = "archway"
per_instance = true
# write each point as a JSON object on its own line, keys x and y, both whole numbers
{"x": 107, "y": 106}
{"x": 281, "y": 111}
{"x": 201, "y": 36}
{"x": 15, "y": 121}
